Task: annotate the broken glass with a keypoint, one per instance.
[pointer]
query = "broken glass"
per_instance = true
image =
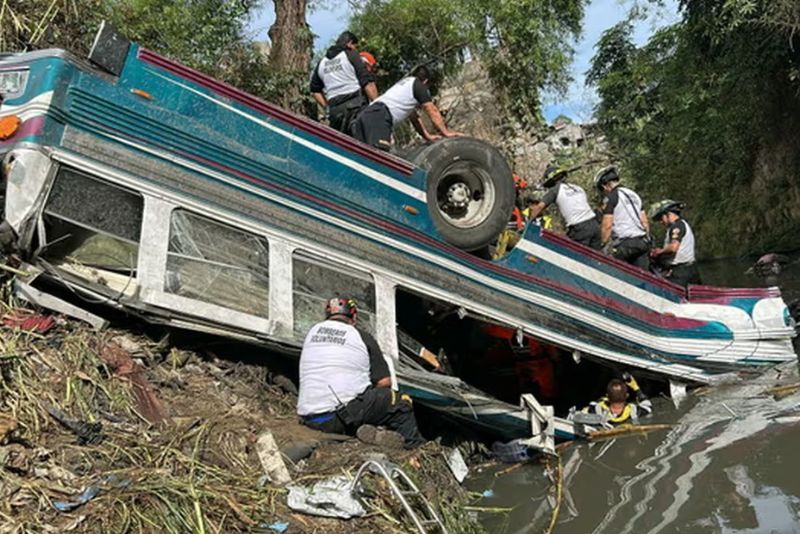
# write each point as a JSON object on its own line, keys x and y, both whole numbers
{"x": 92, "y": 222}
{"x": 218, "y": 264}
{"x": 314, "y": 281}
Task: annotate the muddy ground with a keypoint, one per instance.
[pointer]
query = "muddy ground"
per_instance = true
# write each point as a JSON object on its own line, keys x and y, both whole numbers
{"x": 166, "y": 439}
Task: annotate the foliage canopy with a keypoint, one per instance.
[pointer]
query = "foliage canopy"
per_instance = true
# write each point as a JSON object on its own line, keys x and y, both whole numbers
{"x": 525, "y": 44}
{"x": 208, "y": 35}
{"x": 704, "y": 111}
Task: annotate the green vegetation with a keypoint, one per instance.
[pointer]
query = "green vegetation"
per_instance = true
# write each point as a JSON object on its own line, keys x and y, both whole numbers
{"x": 208, "y": 35}
{"x": 525, "y": 44}
{"x": 708, "y": 111}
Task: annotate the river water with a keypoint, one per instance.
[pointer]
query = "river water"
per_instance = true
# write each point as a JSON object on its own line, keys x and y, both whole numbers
{"x": 729, "y": 463}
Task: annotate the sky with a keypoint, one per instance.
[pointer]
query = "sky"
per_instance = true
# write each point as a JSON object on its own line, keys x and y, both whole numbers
{"x": 579, "y": 100}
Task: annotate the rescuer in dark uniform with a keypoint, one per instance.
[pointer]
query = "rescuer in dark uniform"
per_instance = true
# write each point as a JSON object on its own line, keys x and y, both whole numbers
{"x": 677, "y": 254}
{"x": 343, "y": 83}
{"x": 573, "y": 205}
{"x": 345, "y": 385}
{"x": 375, "y": 123}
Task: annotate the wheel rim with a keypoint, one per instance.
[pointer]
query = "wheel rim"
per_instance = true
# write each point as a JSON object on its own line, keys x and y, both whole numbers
{"x": 465, "y": 195}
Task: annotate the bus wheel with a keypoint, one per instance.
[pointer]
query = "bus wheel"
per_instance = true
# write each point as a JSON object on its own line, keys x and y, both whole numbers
{"x": 470, "y": 190}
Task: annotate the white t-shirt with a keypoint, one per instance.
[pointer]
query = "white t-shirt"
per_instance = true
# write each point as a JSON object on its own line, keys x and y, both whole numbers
{"x": 404, "y": 97}
{"x": 626, "y": 206}
{"x": 571, "y": 201}
{"x": 334, "y": 367}
{"x": 681, "y": 231}
{"x": 338, "y": 76}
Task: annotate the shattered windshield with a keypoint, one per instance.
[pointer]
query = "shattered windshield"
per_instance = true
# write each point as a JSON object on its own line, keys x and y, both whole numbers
{"x": 218, "y": 264}
{"x": 91, "y": 222}
{"x": 315, "y": 280}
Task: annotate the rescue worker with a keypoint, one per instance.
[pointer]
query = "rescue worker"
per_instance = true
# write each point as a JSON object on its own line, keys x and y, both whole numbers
{"x": 345, "y": 386}
{"x": 573, "y": 205}
{"x": 615, "y": 406}
{"x": 624, "y": 226}
{"x": 375, "y": 123}
{"x": 342, "y": 83}
{"x": 677, "y": 254}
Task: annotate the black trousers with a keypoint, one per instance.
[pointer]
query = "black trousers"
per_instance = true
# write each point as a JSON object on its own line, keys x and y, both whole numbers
{"x": 374, "y": 126}
{"x": 633, "y": 250}
{"x": 684, "y": 274}
{"x": 586, "y": 233}
{"x": 342, "y": 114}
{"x": 376, "y": 406}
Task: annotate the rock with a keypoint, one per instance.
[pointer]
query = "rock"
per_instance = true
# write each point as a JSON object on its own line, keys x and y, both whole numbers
{"x": 7, "y": 427}
{"x": 129, "y": 345}
{"x": 284, "y": 383}
{"x": 295, "y": 451}
{"x": 15, "y": 458}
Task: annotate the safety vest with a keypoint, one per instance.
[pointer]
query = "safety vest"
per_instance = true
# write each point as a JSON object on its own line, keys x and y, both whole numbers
{"x": 603, "y": 407}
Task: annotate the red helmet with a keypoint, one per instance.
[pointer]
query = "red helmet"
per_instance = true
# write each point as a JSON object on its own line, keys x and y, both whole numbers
{"x": 369, "y": 61}
{"x": 341, "y": 306}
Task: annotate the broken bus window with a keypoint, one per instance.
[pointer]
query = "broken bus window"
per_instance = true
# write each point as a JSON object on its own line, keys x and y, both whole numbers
{"x": 218, "y": 264}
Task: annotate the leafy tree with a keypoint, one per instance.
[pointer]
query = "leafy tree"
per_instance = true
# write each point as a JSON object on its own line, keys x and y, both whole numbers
{"x": 525, "y": 44}
{"x": 34, "y": 24}
{"x": 699, "y": 112}
{"x": 208, "y": 35}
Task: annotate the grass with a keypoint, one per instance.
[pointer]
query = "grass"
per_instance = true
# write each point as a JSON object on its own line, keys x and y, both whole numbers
{"x": 198, "y": 472}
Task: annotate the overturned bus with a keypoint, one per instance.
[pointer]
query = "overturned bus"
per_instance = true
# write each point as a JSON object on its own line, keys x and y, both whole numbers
{"x": 137, "y": 182}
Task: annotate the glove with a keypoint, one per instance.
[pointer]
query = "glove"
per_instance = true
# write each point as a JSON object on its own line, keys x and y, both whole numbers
{"x": 634, "y": 386}
{"x": 630, "y": 381}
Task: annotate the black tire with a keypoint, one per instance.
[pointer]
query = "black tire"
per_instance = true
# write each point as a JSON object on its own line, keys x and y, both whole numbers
{"x": 470, "y": 190}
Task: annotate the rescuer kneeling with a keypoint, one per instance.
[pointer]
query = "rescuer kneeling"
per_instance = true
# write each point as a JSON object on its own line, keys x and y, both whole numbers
{"x": 345, "y": 386}
{"x": 615, "y": 406}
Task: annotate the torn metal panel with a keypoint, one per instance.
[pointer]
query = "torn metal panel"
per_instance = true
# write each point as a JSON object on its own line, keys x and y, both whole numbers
{"x": 27, "y": 172}
{"x": 542, "y": 425}
{"x": 44, "y": 300}
{"x": 281, "y": 303}
{"x": 121, "y": 285}
{"x": 386, "y": 329}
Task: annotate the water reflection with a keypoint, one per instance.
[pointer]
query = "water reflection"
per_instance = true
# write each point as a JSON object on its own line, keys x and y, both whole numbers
{"x": 728, "y": 465}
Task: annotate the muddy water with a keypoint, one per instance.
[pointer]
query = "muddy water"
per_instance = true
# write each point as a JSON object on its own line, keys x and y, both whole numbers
{"x": 730, "y": 463}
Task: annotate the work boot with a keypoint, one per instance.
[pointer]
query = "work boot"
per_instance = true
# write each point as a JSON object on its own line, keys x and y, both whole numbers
{"x": 373, "y": 435}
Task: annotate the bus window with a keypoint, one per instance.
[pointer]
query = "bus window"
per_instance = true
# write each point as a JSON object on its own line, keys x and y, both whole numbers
{"x": 92, "y": 222}
{"x": 216, "y": 263}
{"x": 314, "y": 281}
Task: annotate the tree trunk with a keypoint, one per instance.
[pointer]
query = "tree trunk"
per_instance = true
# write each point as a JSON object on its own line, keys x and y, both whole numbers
{"x": 291, "y": 51}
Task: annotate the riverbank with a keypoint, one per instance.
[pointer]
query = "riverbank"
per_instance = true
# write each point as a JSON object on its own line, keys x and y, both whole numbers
{"x": 153, "y": 436}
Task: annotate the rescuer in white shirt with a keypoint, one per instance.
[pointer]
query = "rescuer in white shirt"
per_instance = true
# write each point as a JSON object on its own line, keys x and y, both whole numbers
{"x": 375, "y": 123}
{"x": 582, "y": 225}
{"x": 677, "y": 254}
{"x": 345, "y": 385}
{"x": 624, "y": 226}
{"x": 343, "y": 83}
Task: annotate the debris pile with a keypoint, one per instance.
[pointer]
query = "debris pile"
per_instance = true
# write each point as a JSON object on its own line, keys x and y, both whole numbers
{"x": 114, "y": 432}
